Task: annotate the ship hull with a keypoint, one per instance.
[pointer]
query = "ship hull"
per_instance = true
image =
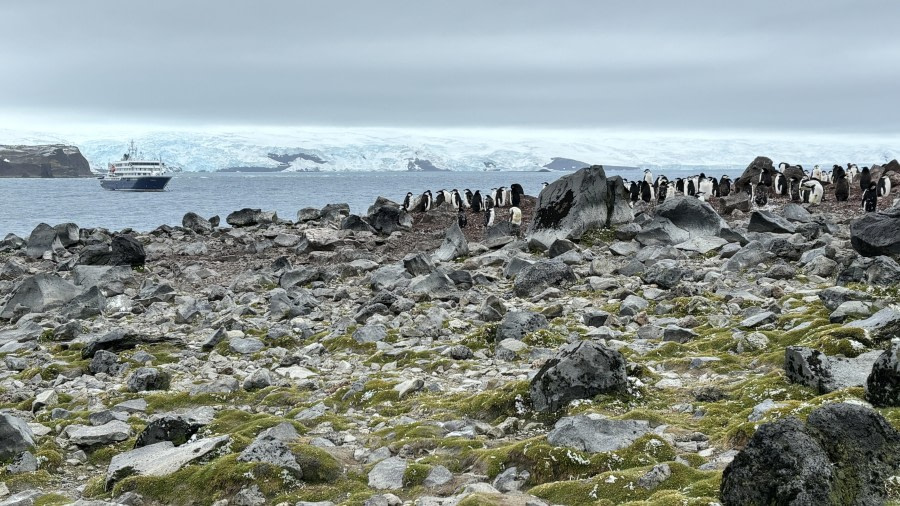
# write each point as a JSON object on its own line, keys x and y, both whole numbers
{"x": 136, "y": 184}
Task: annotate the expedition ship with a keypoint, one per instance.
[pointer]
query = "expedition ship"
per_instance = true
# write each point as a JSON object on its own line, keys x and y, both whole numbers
{"x": 131, "y": 174}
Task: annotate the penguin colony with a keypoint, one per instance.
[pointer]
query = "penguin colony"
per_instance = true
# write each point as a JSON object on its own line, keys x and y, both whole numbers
{"x": 792, "y": 181}
{"x": 476, "y": 202}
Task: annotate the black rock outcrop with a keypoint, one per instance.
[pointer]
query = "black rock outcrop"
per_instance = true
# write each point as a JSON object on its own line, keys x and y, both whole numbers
{"x": 51, "y": 160}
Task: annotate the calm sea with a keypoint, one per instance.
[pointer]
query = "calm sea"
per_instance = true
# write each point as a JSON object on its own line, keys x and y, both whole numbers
{"x": 26, "y": 202}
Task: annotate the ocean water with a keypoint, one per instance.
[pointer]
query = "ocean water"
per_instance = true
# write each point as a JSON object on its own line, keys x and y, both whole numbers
{"x": 24, "y": 203}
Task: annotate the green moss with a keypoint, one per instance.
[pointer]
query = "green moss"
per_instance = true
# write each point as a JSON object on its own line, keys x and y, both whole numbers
{"x": 37, "y": 480}
{"x": 685, "y": 486}
{"x": 203, "y": 484}
{"x": 548, "y": 463}
{"x": 317, "y": 464}
{"x": 49, "y": 459}
{"x": 546, "y": 338}
{"x": 415, "y": 475}
{"x": 244, "y": 427}
{"x": 597, "y": 236}
{"x": 482, "y": 500}
{"x": 52, "y": 500}
{"x": 482, "y": 338}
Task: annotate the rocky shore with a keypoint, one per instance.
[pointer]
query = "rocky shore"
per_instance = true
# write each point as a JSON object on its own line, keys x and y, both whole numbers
{"x": 600, "y": 354}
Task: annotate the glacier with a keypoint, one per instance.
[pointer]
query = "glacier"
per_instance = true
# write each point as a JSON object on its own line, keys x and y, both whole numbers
{"x": 391, "y": 149}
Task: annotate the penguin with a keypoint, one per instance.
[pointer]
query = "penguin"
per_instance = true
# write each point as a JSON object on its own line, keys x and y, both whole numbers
{"x": 467, "y": 197}
{"x": 646, "y": 191}
{"x": 407, "y": 201}
{"x": 488, "y": 202}
{"x": 780, "y": 181}
{"x": 516, "y": 193}
{"x": 489, "y": 218}
{"x": 499, "y": 195}
{"x": 760, "y": 194}
{"x": 691, "y": 187}
{"x": 795, "y": 190}
{"x": 865, "y": 179}
{"x": 456, "y": 200}
{"x": 704, "y": 186}
{"x": 817, "y": 173}
{"x": 440, "y": 199}
{"x": 701, "y": 196}
{"x": 477, "y": 202}
{"x": 648, "y": 176}
{"x": 765, "y": 178}
{"x": 841, "y": 184}
{"x": 715, "y": 185}
{"x": 634, "y": 191}
{"x": 725, "y": 186}
{"x": 884, "y": 186}
{"x": 662, "y": 192}
{"x": 544, "y": 185}
{"x": 671, "y": 190}
{"x": 507, "y": 196}
{"x": 852, "y": 172}
{"x": 870, "y": 198}
{"x": 679, "y": 185}
{"x": 812, "y": 192}
{"x": 461, "y": 218}
{"x": 427, "y": 201}
{"x": 515, "y": 216}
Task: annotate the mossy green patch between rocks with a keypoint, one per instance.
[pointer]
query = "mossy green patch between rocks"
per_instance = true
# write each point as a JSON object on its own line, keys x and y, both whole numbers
{"x": 685, "y": 486}
{"x": 548, "y": 463}
{"x": 52, "y": 500}
{"x": 243, "y": 427}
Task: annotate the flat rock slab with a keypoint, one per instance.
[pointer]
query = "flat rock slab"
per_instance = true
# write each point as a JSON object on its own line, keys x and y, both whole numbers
{"x": 108, "y": 433}
{"x": 702, "y": 245}
{"x": 159, "y": 459}
{"x": 593, "y": 434}
{"x": 882, "y": 324}
{"x": 388, "y": 474}
{"x": 295, "y": 372}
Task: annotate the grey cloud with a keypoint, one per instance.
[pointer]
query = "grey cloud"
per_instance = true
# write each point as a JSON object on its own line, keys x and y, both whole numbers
{"x": 806, "y": 66}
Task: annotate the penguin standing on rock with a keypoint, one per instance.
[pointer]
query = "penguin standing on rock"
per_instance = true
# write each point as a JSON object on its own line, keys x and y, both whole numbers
{"x": 516, "y": 193}
{"x": 634, "y": 191}
{"x": 407, "y": 201}
{"x": 515, "y": 216}
{"x": 646, "y": 191}
{"x": 780, "y": 184}
{"x": 841, "y": 184}
{"x": 870, "y": 198}
{"x": 477, "y": 202}
{"x": 461, "y": 218}
{"x": 725, "y": 186}
{"x": 884, "y": 186}
{"x": 426, "y": 201}
{"x": 489, "y": 218}
{"x": 865, "y": 179}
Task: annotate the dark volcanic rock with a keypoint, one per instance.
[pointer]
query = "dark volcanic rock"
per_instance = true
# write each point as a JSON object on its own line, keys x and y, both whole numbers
{"x": 692, "y": 215}
{"x": 535, "y": 278}
{"x": 148, "y": 378}
{"x": 877, "y": 233}
{"x": 123, "y": 250}
{"x": 387, "y": 217}
{"x": 42, "y": 239}
{"x": 114, "y": 341}
{"x": 15, "y": 437}
{"x": 517, "y": 324}
{"x": 39, "y": 293}
{"x": 454, "y": 246}
{"x": 826, "y": 373}
{"x": 883, "y": 384}
{"x": 759, "y": 165}
{"x": 579, "y": 370}
{"x": 197, "y": 223}
{"x": 765, "y": 221}
{"x": 247, "y": 217}
{"x": 51, "y": 160}
{"x": 843, "y": 455}
{"x": 356, "y": 224}
{"x": 574, "y": 204}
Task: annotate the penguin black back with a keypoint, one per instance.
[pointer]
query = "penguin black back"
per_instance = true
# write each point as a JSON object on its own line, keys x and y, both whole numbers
{"x": 865, "y": 179}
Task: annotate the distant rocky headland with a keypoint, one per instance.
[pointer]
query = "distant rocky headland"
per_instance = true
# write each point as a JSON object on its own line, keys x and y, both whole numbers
{"x": 584, "y": 348}
{"x": 48, "y": 161}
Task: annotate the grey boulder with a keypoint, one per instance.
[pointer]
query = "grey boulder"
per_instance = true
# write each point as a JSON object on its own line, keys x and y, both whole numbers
{"x": 595, "y": 434}
{"x": 580, "y": 370}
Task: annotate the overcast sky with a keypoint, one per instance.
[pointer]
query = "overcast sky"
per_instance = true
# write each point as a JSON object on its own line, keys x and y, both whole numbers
{"x": 802, "y": 66}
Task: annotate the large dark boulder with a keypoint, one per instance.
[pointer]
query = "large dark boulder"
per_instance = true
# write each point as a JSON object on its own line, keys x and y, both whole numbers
{"x": 877, "y": 233}
{"x": 198, "y": 224}
{"x": 692, "y": 215}
{"x": 42, "y": 239}
{"x": 782, "y": 464}
{"x": 883, "y": 384}
{"x": 518, "y": 324}
{"x": 825, "y": 373}
{"x": 759, "y": 165}
{"x": 766, "y": 221}
{"x": 122, "y": 250}
{"x": 40, "y": 293}
{"x": 543, "y": 274}
{"x": 574, "y": 204}
{"x": 387, "y": 217}
{"x": 580, "y": 370}
{"x": 148, "y": 378}
{"x": 113, "y": 341}
{"x": 356, "y": 223}
{"x": 15, "y": 437}
{"x": 454, "y": 246}
{"x": 248, "y": 217}
{"x": 843, "y": 455}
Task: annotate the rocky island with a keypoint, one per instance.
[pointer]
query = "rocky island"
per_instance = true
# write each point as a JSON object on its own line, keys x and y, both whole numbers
{"x": 50, "y": 160}
{"x": 601, "y": 353}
